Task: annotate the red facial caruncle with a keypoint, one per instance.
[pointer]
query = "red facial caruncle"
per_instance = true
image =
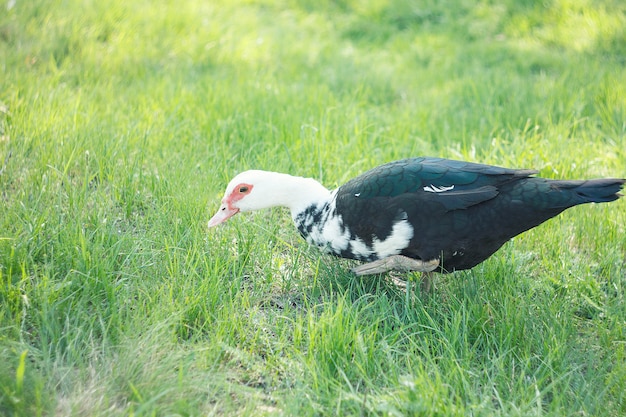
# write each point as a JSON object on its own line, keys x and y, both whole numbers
{"x": 229, "y": 204}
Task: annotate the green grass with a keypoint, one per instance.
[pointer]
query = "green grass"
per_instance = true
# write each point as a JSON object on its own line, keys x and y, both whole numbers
{"x": 121, "y": 123}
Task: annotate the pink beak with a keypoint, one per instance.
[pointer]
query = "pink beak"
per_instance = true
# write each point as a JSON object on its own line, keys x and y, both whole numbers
{"x": 223, "y": 214}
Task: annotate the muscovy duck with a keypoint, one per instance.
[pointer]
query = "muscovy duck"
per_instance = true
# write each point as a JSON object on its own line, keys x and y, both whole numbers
{"x": 420, "y": 214}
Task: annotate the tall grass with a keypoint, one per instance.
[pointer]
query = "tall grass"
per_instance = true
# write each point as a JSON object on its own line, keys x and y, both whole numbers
{"x": 121, "y": 122}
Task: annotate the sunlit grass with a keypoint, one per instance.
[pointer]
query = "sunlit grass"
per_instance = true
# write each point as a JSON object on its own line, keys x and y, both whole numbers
{"x": 121, "y": 122}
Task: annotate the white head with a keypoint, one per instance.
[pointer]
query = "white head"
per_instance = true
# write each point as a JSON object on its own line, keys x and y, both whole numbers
{"x": 255, "y": 190}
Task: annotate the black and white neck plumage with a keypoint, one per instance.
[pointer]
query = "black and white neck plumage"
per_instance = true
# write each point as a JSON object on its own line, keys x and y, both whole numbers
{"x": 415, "y": 214}
{"x": 314, "y": 212}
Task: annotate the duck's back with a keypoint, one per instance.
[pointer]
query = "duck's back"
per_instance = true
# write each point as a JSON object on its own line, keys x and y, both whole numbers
{"x": 459, "y": 212}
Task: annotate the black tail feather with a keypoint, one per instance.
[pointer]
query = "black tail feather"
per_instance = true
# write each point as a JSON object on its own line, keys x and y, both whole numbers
{"x": 600, "y": 190}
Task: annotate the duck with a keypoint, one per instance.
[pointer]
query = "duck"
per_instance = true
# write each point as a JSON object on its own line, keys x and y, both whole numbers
{"x": 421, "y": 214}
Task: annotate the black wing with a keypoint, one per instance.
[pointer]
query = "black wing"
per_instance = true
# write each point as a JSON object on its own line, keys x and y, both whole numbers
{"x": 421, "y": 190}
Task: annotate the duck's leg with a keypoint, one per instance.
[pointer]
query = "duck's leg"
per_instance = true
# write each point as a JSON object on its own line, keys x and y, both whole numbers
{"x": 427, "y": 281}
{"x": 397, "y": 262}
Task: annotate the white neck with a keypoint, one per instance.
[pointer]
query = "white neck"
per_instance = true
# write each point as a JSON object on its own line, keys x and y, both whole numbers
{"x": 304, "y": 192}
{"x": 273, "y": 189}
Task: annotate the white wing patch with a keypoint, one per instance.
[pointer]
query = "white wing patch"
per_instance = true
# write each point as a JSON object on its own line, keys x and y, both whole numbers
{"x": 400, "y": 236}
{"x": 434, "y": 189}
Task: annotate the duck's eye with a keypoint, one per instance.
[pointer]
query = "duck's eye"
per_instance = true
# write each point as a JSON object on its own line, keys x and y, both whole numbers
{"x": 243, "y": 189}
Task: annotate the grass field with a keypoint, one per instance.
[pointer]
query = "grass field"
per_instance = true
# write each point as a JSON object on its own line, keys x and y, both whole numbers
{"x": 122, "y": 121}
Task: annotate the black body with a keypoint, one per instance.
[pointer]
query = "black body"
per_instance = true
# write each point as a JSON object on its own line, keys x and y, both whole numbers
{"x": 461, "y": 212}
